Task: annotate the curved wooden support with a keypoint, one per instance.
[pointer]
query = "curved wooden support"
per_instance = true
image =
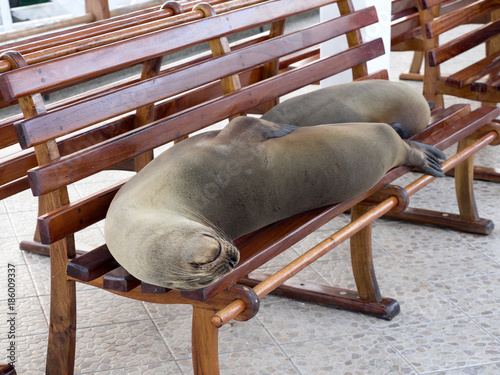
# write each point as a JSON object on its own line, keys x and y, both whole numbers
{"x": 361, "y": 258}
{"x": 174, "y": 6}
{"x": 206, "y": 9}
{"x": 464, "y": 179}
{"x": 204, "y": 343}
{"x": 15, "y": 59}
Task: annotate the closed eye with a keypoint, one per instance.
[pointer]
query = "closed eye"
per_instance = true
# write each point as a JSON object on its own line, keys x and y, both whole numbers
{"x": 219, "y": 250}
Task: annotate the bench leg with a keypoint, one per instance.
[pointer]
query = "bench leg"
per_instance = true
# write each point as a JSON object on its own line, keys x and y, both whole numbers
{"x": 62, "y": 329}
{"x": 464, "y": 179}
{"x": 204, "y": 343}
{"x": 416, "y": 64}
{"x": 361, "y": 259}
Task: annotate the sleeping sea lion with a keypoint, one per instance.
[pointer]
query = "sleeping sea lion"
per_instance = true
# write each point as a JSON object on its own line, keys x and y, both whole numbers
{"x": 394, "y": 103}
{"x": 173, "y": 223}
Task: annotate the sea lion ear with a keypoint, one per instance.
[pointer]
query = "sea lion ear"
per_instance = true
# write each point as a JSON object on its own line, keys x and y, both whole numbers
{"x": 280, "y": 131}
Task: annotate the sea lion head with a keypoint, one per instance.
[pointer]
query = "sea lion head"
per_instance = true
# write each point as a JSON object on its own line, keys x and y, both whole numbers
{"x": 183, "y": 254}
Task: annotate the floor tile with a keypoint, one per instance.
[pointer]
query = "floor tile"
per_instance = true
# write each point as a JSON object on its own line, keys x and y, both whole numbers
{"x": 357, "y": 354}
{"x": 7, "y": 227}
{"x": 488, "y": 245}
{"x": 27, "y": 318}
{"x": 96, "y": 307}
{"x": 444, "y": 345}
{"x": 23, "y": 285}
{"x": 9, "y": 248}
{"x": 491, "y": 324}
{"x": 398, "y": 236}
{"x": 491, "y": 369}
{"x": 447, "y": 262}
{"x": 475, "y": 295}
{"x": 420, "y": 303}
{"x": 108, "y": 347}
{"x": 164, "y": 368}
{"x": 268, "y": 360}
{"x": 30, "y": 354}
{"x": 157, "y": 310}
{"x": 388, "y": 270}
{"x": 285, "y": 321}
{"x": 234, "y": 336}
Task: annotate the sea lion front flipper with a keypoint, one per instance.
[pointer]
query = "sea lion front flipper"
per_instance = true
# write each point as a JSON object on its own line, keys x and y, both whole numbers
{"x": 426, "y": 157}
{"x": 280, "y": 132}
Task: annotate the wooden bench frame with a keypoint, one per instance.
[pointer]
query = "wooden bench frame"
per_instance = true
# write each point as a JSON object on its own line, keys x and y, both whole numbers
{"x": 479, "y": 81}
{"x": 406, "y": 31}
{"x": 231, "y": 297}
{"x": 95, "y": 11}
{"x": 13, "y": 178}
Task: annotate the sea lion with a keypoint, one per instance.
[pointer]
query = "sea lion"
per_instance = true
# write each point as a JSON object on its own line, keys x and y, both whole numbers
{"x": 394, "y": 103}
{"x": 173, "y": 223}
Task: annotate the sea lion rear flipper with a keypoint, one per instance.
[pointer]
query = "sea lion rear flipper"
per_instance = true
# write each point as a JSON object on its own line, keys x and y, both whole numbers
{"x": 401, "y": 130}
{"x": 427, "y": 158}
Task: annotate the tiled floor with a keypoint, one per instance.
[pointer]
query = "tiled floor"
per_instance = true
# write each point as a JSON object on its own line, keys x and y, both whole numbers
{"x": 448, "y": 285}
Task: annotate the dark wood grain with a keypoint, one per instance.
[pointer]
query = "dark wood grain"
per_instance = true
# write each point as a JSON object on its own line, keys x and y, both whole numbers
{"x": 42, "y": 128}
{"x": 79, "y": 165}
{"x": 120, "y": 280}
{"x": 464, "y": 43}
{"x": 92, "y": 265}
{"x": 130, "y": 52}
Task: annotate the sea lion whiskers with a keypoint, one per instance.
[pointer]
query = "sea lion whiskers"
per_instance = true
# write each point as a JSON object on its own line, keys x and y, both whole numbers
{"x": 198, "y": 216}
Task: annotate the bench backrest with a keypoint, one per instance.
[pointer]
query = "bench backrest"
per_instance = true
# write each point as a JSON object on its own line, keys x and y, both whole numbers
{"x": 13, "y": 168}
{"x": 40, "y": 129}
{"x": 458, "y": 13}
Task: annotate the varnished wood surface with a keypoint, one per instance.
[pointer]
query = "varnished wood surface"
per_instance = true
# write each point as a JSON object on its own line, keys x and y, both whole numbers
{"x": 144, "y": 47}
{"x": 457, "y": 46}
{"x": 38, "y": 130}
{"x": 72, "y": 168}
{"x": 466, "y": 15}
{"x": 303, "y": 290}
{"x": 257, "y": 248}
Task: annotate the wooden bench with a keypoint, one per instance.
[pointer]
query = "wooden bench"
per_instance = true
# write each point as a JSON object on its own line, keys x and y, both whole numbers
{"x": 478, "y": 80}
{"x": 13, "y": 178}
{"x": 95, "y": 11}
{"x": 243, "y": 79}
{"x": 406, "y": 31}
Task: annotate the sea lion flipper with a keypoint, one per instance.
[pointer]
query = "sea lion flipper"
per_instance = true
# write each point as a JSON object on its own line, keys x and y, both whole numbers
{"x": 401, "y": 130}
{"x": 282, "y": 131}
{"x": 427, "y": 158}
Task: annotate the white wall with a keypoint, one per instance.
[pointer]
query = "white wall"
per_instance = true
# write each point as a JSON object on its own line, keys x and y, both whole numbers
{"x": 381, "y": 29}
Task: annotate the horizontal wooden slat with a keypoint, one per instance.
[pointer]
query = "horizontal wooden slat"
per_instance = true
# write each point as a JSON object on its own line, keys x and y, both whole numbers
{"x": 57, "y": 224}
{"x": 459, "y": 17}
{"x": 41, "y": 128}
{"x": 120, "y": 280}
{"x": 467, "y": 93}
{"x": 405, "y": 29}
{"x": 426, "y": 4}
{"x": 92, "y": 265}
{"x": 14, "y": 187}
{"x": 82, "y": 164}
{"x": 398, "y": 6}
{"x": 36, "y": 78}
{"x": 474, "y": 72}
{"x": 97, "y": 28}
{"x": 466, "y": 125}
{"x": 463, "y": 43}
